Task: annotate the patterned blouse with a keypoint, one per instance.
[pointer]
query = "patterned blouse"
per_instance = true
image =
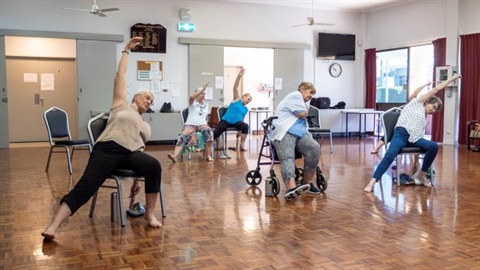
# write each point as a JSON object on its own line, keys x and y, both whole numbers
{"x": 413, "y": 119}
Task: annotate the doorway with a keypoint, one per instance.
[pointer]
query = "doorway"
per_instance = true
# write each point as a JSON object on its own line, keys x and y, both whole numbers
{"x": 35, "y": 85}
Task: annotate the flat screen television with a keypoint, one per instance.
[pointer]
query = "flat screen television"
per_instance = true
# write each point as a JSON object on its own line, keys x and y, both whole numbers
{"x": 336, "y": 46}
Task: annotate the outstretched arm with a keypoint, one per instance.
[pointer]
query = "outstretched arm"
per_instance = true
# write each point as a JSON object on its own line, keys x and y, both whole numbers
{"x": 236, "y": 92}
{"x": 120, "y": 84}
{"x": 196, "y": 94}
{"x": 439, "y": 87}
{"x": 415, "y": 93}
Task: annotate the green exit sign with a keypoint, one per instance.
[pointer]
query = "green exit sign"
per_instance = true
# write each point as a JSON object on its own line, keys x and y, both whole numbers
{"x": 186, "y": 27}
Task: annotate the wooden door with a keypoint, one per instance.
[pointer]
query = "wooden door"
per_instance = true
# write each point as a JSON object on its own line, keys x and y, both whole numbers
{"x": 34, "y": 85}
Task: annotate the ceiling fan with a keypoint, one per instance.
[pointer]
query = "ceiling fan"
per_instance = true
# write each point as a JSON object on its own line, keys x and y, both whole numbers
{"x": 311, "y": 21}
{"x": 95, "y": 10}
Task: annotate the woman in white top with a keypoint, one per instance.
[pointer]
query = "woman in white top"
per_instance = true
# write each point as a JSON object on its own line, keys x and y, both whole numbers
{"x": 196, "y": 122}
{"x": 409, "y": 132}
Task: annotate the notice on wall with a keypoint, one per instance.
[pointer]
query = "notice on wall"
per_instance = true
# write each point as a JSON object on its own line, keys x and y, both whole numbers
{"x": 47, "y": 82}
{"x": 278, "y": 84}
{"x": 30, "y": 77}
{"x": 209, "y": 93}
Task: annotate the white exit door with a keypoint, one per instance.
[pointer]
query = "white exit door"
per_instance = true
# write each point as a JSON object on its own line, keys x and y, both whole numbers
{"x": 34, "y": 85}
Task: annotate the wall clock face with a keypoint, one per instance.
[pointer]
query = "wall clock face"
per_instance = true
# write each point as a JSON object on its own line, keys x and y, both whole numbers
{"x": 335, "y": 70}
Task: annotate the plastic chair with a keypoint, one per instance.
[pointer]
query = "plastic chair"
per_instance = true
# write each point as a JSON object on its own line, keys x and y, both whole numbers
{"x": 59, "y": 136}
{"x": 315, "y": 125}
{"x": 95, "y": 127}
{"x": 389, "y": 120}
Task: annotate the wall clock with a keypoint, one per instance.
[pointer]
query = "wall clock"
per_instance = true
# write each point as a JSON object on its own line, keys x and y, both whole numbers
{"x": 335, "y": 70}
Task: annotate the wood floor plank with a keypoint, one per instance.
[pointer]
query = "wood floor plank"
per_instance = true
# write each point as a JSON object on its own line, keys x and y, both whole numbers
{"x": 216, "y": 221}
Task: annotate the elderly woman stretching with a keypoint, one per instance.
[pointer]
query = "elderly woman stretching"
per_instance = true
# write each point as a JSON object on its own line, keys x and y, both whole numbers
{"x": 409, "y": 132}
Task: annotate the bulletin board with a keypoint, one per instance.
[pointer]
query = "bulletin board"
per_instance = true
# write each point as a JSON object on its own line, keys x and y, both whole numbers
{"x": 149, "y": 70}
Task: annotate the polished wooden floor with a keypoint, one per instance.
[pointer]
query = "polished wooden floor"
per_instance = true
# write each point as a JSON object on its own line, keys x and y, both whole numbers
{"x": 216, "y": 221}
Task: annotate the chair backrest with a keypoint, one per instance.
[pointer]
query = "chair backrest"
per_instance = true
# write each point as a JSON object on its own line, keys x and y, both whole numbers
{"x": 214, "y": 119}
{"x": 314, "y": 117}
{"x": 96, "y": 125}
{"x": 389, "y": 120}
{"x": 184, "y": 114}
{"x": 57, "y": 124}
{"x": 221, "y": 111}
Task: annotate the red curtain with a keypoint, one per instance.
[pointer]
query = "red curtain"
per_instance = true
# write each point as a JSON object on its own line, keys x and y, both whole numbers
{"x": 439, "y": 56}
{"x": 371, "y": 78}
{"x": 469, "y": 84}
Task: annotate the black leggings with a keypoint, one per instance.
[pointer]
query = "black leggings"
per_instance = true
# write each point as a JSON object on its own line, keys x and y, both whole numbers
{"x": 104, "y": 159}
{"x": 223, "y": 125}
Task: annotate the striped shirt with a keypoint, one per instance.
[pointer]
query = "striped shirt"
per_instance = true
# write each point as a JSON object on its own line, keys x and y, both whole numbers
{"x": 413, "y": 119}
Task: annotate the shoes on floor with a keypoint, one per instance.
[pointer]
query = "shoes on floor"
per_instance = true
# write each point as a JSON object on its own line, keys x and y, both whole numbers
{"x": 313, "y": 190}
{"x": 293, "y": 193}
{"x": 223, "y": 155}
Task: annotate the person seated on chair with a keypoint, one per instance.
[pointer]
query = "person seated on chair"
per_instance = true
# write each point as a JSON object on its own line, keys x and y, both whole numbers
{"x": 196, "y": 122}
{"x": 235, "y": 114}
{"x": 381, "y": 142}
{"x": 120, "y": 145}
{"x": 409, "y": 131}
{"x": 289, "y": 133}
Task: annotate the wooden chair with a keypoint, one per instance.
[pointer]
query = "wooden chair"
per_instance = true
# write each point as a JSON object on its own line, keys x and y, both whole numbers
{"x": 473, "y": 132}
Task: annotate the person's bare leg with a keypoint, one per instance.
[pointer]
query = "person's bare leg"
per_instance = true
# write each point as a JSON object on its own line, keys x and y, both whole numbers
{"x": 175, "y": 153}
{"x": 308, "y": 177}
{"x": 369, "y": 187}
{"x": 208, "y": 149}
{"x": 423, "y": 177}
{"x": 63, "y": 213}
{"x": 151, "y": 201}
{"x": 243, "y": 138}
{"x": 415, "y": 165}
{"x": 377, "y": 147}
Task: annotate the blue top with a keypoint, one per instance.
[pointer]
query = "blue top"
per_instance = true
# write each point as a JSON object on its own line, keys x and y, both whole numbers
{"x": 236, "y": 112}
{"x": 299, "y": 128}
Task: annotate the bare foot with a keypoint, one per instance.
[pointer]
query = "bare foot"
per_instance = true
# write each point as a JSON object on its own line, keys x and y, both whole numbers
{"x": 210, "y": 159}
{"x": 172, "y": 158}
{"x": 243, "y": 149}
{"x": 48, "y": 235}
{"x": 373, "y": 152}
{"x": 152, "y": 221}
{"x": 369, "y": 187}
{"x": 426, "y": 183}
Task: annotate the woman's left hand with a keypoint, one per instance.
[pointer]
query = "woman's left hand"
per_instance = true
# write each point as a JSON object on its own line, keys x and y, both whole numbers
{"x": 135, "y": 189}
{"x": 132, "y": 43}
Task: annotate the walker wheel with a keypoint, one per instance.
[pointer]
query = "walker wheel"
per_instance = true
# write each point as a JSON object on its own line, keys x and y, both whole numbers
{"x": 275, "y": 186}
{"x": 298, "y": 176}
{"x": 321, "y": 180}
{"x": 253, "y": 178}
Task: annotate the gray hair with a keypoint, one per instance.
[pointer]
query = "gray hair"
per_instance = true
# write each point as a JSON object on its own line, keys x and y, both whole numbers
{"x": 143, "y": 92}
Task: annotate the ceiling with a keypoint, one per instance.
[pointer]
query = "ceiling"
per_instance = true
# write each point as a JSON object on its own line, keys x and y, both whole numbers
{"x": 339, "y": 5}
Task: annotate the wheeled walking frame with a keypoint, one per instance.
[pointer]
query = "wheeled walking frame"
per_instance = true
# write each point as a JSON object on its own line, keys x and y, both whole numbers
{"x": 267, "y": 151}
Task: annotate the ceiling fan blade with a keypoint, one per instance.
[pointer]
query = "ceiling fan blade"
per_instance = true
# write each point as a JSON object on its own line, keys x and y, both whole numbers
{"x": 108, "y": 9}
{"x": 101, "y": 14}
{"x": 303, "y": 24}
{"x": 75, "y": 9}
{"x": 325, "y": 24}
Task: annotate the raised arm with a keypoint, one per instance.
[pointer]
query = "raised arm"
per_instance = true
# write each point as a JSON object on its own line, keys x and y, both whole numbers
{"x": 196, "y": 94}
{"x": 417, "y": 91}
{"x": 120, "y": 84}
{"x": 439, "y": 87}
{"x": 236, "y": 92}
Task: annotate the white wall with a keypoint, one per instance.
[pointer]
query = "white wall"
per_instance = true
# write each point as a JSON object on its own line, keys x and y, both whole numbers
{"x": 213, "y": 20}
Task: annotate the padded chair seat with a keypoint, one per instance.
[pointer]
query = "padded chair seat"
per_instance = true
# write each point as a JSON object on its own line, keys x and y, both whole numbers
{"x": 72, "y": 142}
{"x": 412, "y": 150}
{"x": 125, "y": 173}
{"x": 318, "y": 130}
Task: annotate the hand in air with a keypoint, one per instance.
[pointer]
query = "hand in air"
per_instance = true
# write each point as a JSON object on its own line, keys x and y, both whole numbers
{"x": 133, "y": 42}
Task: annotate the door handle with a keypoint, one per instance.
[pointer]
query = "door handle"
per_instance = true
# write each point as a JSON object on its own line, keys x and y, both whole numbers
{"x": 41, "y": 100}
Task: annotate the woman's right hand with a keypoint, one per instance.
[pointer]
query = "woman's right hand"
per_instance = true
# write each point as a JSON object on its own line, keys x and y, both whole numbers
{"x": 132, "y": 43}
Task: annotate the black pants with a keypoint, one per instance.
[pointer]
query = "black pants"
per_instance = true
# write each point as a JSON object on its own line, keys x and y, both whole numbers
{"x": 223, "y": 125}
{"x": 104, "y": 159}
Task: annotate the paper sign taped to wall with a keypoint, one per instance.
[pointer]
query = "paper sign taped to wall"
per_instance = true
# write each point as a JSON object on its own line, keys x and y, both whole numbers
{"x": 30, "y": 77}
{"x": 47, "y": 82}
{"x": 278, "y": 83}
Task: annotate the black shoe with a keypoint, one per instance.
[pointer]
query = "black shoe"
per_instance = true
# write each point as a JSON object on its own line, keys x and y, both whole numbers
{"x": 313, "y": 190}
{"x": 293, "y": 193}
